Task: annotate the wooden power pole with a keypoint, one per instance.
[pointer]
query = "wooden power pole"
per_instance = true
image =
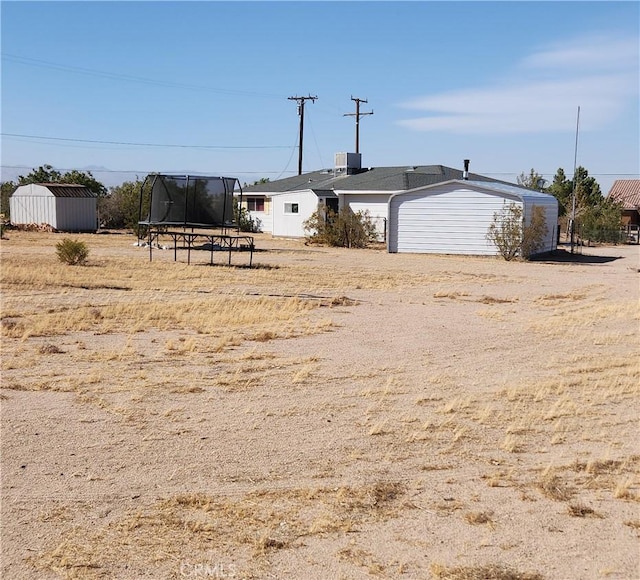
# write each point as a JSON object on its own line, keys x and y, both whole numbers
{"x": 357, "y": 115}
{"x": 300, "y": 101}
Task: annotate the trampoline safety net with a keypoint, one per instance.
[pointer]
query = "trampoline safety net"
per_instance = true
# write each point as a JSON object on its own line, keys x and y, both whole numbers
{"x": 190, "y": 201}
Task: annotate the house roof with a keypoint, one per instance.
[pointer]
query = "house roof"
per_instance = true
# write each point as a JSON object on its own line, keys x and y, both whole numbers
{"x": 626, "y": 192}
{"x": 383, "y": 179}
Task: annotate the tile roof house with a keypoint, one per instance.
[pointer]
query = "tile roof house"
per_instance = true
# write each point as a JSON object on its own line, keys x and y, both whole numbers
{"x": 627, "y": 192}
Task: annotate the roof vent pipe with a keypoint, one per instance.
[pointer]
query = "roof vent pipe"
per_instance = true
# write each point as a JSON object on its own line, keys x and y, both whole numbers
{"x": 465, "y": 174}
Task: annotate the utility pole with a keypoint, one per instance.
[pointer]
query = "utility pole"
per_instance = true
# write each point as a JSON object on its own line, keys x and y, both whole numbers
{"x": 572, "y": 228}
{"x": 357, "y": 115}
{"x": 300, "y": 101}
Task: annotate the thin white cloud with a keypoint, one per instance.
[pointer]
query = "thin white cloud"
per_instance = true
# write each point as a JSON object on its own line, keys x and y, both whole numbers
{"x": 596, "y": 53}
{"x": 543, "y": 94}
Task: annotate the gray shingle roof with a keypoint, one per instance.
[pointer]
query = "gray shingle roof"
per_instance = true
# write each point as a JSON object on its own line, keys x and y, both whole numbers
{"x": 372, "y": 179}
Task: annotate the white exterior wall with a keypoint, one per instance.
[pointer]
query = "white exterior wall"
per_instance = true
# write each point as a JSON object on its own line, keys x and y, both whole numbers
{"x": 290, "y": 225}
{"x": 454, "y": 218}
{"x": 376, "y": 204}
{"x": 266, "y": 220}
{"x": 33, "y": 204}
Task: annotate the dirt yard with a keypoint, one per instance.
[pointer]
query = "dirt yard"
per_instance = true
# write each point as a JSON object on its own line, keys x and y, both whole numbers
{"x": 327, "y": 414}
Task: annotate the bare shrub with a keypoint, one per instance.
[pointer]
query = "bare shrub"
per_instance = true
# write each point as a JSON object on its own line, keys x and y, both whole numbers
{"x": 512, "y": 237}
{"x": 343, "y": 229}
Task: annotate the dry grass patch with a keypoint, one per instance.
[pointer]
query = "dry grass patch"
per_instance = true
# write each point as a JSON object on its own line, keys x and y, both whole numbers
{"x": 243, "y": 530}
{"x": 496, "y": 300}
{"x": 553, "y": 486}
{"x": 452, "y": 294}
{"x": 572, "y": 296}
{"x": 482, "y": 572}
{"x": 479, "y": 518}
{"x": 363, "y": 559}
{"x": 578, "y": 510}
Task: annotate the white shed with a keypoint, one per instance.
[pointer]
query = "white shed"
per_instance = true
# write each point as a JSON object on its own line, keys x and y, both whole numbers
{"x": 64, "y": 207}
{"x": 453, "y": 217}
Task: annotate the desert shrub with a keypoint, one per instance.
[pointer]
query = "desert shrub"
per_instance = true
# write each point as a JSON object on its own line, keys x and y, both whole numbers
{"x": 534, "y": 233}
{"x": 343, "y": 229}
{"x": 244, "y": 220}
{"x": 72, "y": 252}
{"x": 514, "y": 239}
{"x": 505, "y": 230}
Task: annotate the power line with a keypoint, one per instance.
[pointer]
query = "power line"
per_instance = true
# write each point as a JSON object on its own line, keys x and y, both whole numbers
{"x": 103, "y": 142}
{"x": 131, "y": 78}
{"x": 141, "y": 171}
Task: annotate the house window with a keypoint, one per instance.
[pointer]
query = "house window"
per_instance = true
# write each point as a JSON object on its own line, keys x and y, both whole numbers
{"x": 255, "y": 203}
{"x": 290, "y": 208}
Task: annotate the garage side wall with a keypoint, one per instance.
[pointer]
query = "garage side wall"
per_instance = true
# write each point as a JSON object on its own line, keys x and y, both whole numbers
{"x": 444, "y": 221}
{"x": 550, "y": 206}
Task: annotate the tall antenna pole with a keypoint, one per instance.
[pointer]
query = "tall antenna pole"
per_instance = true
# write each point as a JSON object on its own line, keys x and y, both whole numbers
{"x": 300, "y": 101}
{"x": 357, "y": 115}
{"x": 572, "y": 228}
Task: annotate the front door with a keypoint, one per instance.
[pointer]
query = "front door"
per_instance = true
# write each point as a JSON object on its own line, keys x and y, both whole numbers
{"x": 332, "y": 204}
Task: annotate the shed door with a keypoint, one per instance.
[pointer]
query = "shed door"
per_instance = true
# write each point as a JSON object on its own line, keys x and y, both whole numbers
{"x": 448, "y": 222}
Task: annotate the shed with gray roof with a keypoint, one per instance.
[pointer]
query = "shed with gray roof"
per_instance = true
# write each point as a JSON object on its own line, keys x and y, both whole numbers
{"x": 61, "y": 206}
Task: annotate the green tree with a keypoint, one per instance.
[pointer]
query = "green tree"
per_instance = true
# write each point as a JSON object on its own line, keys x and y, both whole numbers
{"x": 120, "y": 208}
{"x": 561, "y": 188}
{"x": 47, "y": 174}
{"x": 86, "y": 179}
{"x": 533, "y": 181}
{"x": 43, "y": 174}
{"x": 587, "y": 191}
{"x": 602, "y": 222}
{"x": 6, "y": 189}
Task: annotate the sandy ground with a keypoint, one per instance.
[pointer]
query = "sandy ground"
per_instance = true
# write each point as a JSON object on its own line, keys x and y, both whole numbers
{"x": 454, "y": 415}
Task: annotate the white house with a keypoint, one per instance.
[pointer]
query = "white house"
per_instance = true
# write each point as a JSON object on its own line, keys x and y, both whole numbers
{"x": 259, "y": 208}
{"x": 454, "y": 217}
{"x": 64, "y": 207}
{"x": 294, "y": 199}
{"x": 347, "y": 184}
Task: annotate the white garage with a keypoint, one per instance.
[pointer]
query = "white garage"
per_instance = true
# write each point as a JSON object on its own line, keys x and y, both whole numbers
{"x": 453, "y": 217}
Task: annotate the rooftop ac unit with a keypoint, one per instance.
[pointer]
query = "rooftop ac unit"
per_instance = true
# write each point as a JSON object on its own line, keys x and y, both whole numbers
{"x": 348, "y": 162}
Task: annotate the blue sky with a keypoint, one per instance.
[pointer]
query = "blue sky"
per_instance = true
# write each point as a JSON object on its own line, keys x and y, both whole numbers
{"x": 203, "y": 87}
